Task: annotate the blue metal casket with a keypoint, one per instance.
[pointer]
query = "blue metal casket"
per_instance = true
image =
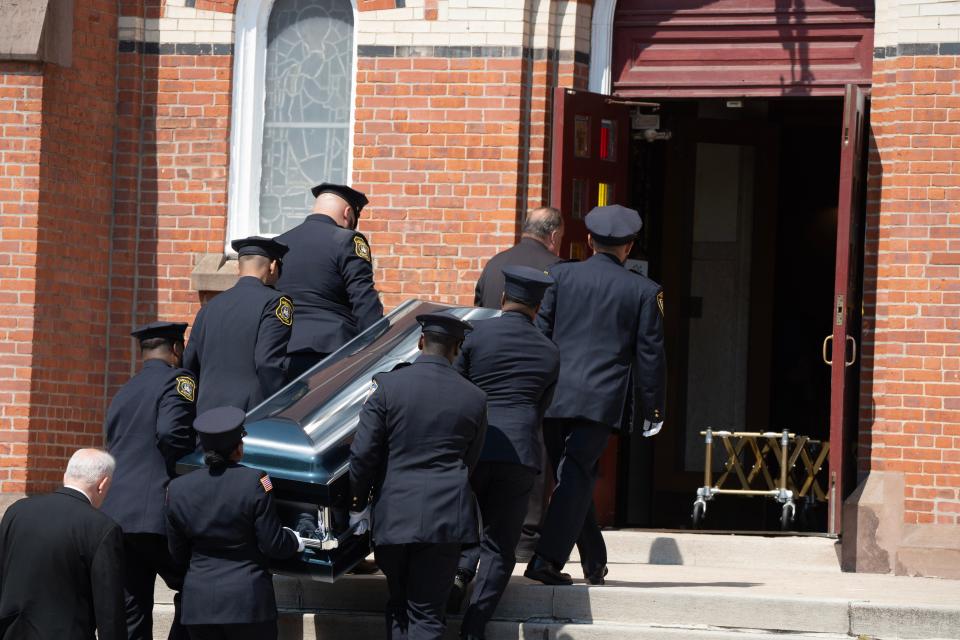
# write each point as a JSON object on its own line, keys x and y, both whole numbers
{"x": 301, "y": 436}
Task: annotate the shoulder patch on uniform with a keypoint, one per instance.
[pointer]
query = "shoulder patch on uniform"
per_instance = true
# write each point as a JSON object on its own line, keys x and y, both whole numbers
{"x": 361, "y": 248}
{"x": 284, "y": 310}
{"x": 266, "y": 484}
{"x": 660, "y": 301}
{"x": 187, "y": 387}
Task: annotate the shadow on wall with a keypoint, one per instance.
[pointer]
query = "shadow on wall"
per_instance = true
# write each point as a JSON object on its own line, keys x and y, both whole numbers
{"x": 71, "y": 312}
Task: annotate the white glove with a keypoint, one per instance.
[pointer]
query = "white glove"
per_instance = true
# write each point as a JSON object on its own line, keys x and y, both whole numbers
{"x": 651, "y": 428}
{"x": 300, "y": 545}
{"x": 362, "y": 520}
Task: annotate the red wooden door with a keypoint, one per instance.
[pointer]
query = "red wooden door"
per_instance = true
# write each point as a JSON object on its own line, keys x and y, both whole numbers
{"x": 846, "y": 310}
{"x": 591, "y": 148}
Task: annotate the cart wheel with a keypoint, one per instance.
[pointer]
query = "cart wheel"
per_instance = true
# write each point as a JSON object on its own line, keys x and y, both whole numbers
{"x": 786, "y": 516}
{"x": 699, "y": 511}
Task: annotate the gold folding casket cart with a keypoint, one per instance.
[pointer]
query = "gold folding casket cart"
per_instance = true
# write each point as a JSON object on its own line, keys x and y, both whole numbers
{"x": 770, "y": 451}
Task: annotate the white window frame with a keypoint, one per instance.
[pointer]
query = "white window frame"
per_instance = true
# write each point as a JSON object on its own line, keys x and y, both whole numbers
{"x": 247, "y": 115}
{"x": 601, "y": 46}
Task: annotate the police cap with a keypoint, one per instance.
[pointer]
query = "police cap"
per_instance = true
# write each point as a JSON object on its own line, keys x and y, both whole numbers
{"x": 170, "y": 330}
{"x": 353, "y": 197}
{"x": 260, "y": 246}
{"x": 525, "y": 284}
{"x": 613, "y": 224}
{"x": 444, "y": 324}
{"x": 220, "y": 429}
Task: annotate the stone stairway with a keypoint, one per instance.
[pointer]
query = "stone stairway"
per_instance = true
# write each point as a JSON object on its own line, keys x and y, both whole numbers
{"x": 664, "y": 585}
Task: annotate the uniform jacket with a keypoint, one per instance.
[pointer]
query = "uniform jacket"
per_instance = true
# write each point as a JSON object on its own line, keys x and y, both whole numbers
{"x": 516, "y": 366}
{"x": 61, "y": 570}
{"x": 529, "y": 252}
{"x": 149, "y": 427}
{"x": 420, "y": 433}
{"x": 329, "y": 274}
{"x": 238, "y": 345}
{"x": 608, "y": 323}
{"x": 225, "y": 527}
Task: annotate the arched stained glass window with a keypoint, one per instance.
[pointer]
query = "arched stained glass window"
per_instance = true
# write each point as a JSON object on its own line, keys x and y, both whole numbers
{"x": 308, "y": 87}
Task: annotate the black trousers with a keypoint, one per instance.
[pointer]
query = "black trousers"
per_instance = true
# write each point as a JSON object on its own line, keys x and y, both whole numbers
{"x": 574, "y": 448}
{"x": 503, "y": 491}
{"x": 419, "y": 577}
{"x": 300, "y": 361}
{"x": 146, "y": 557}
{"x": 247, "y": 631}
{"x": 536, "y": 508}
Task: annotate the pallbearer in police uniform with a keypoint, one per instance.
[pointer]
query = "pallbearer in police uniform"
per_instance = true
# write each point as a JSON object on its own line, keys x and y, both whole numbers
{"x": 149, "y": 427}
{"x": 223, "y": 526}
{"x": 238, "y": 346}
{"x": 608, "y": 323}
{"x": 517, "y": 367}
{"x": 420, "y": 434}
{"x": 539, "y": 247}
{"x": 329, "y": 275}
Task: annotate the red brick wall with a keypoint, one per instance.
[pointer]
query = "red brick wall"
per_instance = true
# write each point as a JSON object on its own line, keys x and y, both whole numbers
{"x": 55, "y": 203}
{"x": 451, "y": 153}
{"x": 910, "y": 405}
{"x": 73, "y": 244}
{"x": 172, "y": 162}
{"x": 21, "y": 94}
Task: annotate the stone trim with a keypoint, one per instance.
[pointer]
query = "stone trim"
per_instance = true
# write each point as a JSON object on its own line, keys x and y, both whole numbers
{"x": 441, "y": 51}
{"x": 176, "y": 49}
{"x": 214, "y": 272}
{"x": 918, "y": 49}
{"x": 37, "y": 31}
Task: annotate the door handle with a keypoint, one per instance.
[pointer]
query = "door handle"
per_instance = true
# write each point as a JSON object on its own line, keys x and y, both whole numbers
{"x": 827, "y": 361}
{"x": 853, "y": 356}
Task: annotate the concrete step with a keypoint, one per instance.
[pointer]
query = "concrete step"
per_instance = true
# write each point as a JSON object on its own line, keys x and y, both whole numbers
{"x": 786, "y": 552}
{"x": 752, "y": 594}
{"x": 336, "y": 626}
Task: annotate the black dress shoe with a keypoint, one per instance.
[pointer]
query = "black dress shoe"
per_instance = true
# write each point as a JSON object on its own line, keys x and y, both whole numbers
{"x": 365, "y": 568}
{"x": 542, "y": 570}
{"x": 596, "y": 576}
{"x": 458, "y": 591}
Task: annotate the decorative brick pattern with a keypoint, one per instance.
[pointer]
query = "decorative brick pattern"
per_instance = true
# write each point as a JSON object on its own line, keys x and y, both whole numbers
{"x": 910, "y": 404}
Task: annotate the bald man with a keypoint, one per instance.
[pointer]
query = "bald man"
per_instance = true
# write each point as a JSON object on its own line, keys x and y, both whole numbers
{"x": 61, "y": 559}
{"x": 329, "y": 274}
{"x": 539, "y": 247}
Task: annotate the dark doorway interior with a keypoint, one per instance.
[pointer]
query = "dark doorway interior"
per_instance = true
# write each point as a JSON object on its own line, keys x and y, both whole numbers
{"x": 740, "y": 228}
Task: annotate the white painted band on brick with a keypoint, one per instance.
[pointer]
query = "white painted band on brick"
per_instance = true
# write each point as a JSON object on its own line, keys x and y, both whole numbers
{"x": 180, "y": 24}
{"x": 601, "y": 49}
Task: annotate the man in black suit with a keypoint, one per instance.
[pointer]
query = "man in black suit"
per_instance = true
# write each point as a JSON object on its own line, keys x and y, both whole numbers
{"x": 148, "y": 428}
{"x": 608, "y": 324}
{"x": 238, "y": 346}
{"x": 329, "y": 275}
{"x": 539, "y": 247}
{"x": 517, "y": 367}
{"x": 420, "y": 434}
{"x": 61, "y": 560}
